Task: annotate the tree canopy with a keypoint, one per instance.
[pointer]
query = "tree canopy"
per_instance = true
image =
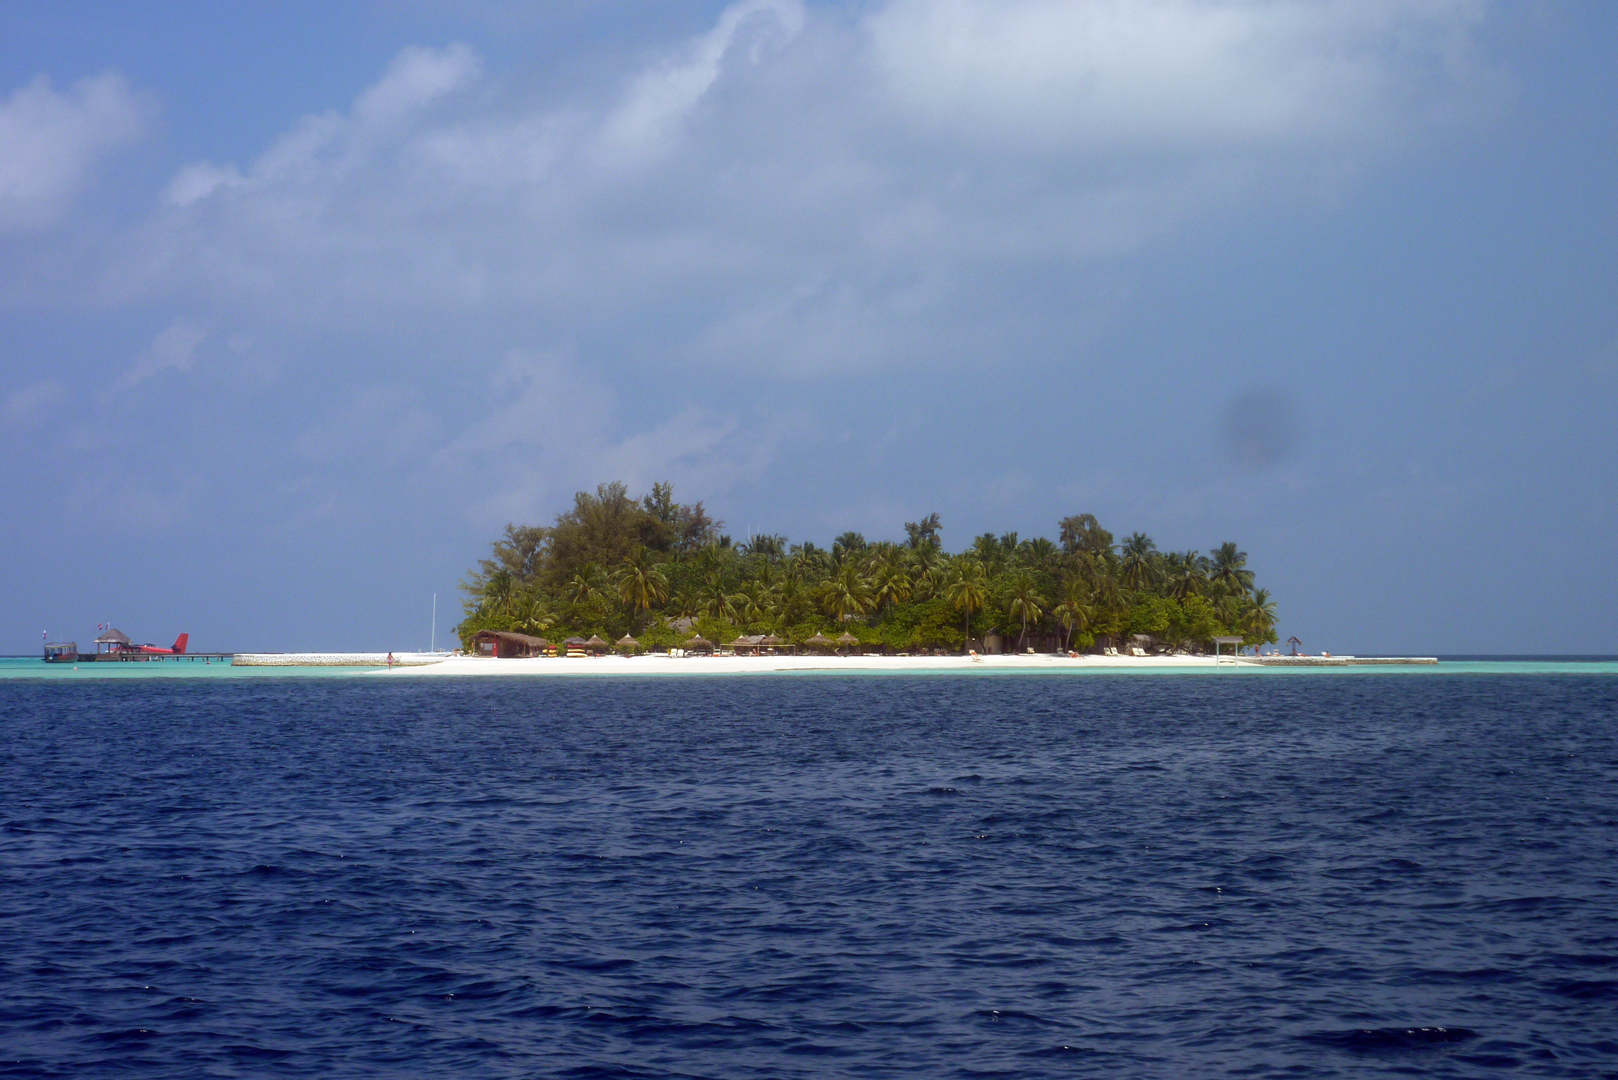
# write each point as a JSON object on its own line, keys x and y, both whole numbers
{"x": 613, "y": 564}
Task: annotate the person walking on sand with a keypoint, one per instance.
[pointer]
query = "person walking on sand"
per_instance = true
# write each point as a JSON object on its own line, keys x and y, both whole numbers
{"x": 390, "y": 659}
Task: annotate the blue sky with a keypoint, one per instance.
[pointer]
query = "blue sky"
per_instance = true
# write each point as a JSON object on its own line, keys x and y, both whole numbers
{"x": 301, "y": 303}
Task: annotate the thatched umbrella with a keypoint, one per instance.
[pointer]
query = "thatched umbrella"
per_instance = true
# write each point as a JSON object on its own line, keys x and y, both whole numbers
{"x": 770, "y": 641}
{"x": 845, "y": 639}
{"x": 699, "y": 644}
{"x": 596, "y": 644}
{"x": 629, "y": 643}
{"x": 819, "y": 641}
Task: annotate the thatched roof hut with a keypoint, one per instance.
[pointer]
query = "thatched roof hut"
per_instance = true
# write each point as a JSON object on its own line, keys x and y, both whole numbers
{"x": 114, "y": 636}
{"x": 746, "y": 643}
{"x": 507, "y": 644}
{"x": 699, "y": 644}
{"x": 770, "y": 641}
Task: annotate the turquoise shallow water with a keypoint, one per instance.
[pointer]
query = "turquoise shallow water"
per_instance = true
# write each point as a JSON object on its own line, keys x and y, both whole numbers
{"x": 32, "y": 667}
{"x": 12, "y": 668}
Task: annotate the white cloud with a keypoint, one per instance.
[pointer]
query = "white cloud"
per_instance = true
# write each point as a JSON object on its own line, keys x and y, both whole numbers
{"x": 198, "y": 181}
{"x": 662, "y": 96}
{"x": 51, "y": 141}
{"x": 806, "y": 164}
{"x": 416, "y": 78}
{"x": 326, "y": 148}
{"x": 790, "y": 194}
{"x": 1176, "y": 75}
{"x": 174, "y": 349}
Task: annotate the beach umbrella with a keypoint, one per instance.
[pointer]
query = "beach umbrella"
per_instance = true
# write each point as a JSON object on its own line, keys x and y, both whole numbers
{"x": 770, "y": 641}
{"x": 627, "y": 642}
{"x": 819, "y": 641}
{"x": 845, "y": 638}
{"x": 595, "y": 642}
{"x": 699, "y": 644}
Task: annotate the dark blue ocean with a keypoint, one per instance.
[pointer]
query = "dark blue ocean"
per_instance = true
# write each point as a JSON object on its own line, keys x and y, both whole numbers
{"x": 818, "y": 876}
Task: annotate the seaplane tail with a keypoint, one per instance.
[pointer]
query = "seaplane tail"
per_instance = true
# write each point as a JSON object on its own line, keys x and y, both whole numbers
{"x": 178, "y": 649}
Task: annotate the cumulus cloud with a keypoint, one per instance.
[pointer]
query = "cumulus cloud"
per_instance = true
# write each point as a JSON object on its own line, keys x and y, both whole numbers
{"x": 51, "y": 142}
{"x": 792, "y": 192}
{"x": 786, "y": 153}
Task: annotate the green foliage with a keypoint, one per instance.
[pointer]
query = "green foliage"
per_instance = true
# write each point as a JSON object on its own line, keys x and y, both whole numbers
{"x": 613, "y": 564}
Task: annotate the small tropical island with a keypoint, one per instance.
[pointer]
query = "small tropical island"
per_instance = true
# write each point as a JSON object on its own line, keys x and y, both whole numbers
{"x": 649, "y": 573}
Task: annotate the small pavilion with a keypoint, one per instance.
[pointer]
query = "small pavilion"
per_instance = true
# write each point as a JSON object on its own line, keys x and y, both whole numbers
{"x": 114, "y": 640}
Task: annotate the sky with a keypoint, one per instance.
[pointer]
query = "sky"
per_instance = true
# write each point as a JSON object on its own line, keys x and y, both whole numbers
{"x": 301, "y": 303}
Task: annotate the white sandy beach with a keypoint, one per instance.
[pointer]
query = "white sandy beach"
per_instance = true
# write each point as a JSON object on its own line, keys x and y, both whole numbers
{"x": 759, "y": 665}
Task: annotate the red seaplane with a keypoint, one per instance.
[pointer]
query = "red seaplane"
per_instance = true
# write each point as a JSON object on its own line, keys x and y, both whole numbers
{"x": 177, "y": 649}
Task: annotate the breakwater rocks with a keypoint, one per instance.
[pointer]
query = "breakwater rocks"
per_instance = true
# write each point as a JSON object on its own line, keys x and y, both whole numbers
{"x": 334, "y": 659}
{"x": 1335, "y": 661}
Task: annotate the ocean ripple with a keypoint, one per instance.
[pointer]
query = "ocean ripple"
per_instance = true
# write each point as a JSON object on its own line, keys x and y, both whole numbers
{"x": 809, "y": 877}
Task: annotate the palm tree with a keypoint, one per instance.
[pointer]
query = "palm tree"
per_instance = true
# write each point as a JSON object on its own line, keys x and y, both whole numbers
{"x": 930, "y": 579}
{"x": 1260, "y": 622}
{"x": 1230, "y": 569}
{"x": 987, "y": 550}
{"x": 892, "y": 583}
{"x": 790, "y": 601}
{"x": 586, "y": 584}
{"x": 1135, "y": 561}
{"x": 850, "y": 543}
{"x": 755, "y": 603}
{"x": 533, "y": 615}
{"x": 641, "y": 582}
{"x": 499, "y": 591}
{"x": 1074, "y": 612}
{"x": 1040, "y": 551}
{"x": 1025, "y": 603}
{"x": 768, "y": 546}
{"x": 848, "y": 593}
{"x": 1187, "y": 574}
{"x": 686, "y": 603}
{"x": 715, "y": 597}
{"x": 968, "y": 591}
